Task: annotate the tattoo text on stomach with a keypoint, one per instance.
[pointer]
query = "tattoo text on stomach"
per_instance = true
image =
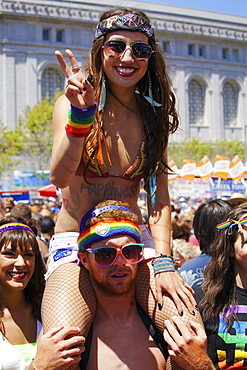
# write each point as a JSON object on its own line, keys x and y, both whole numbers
{"x": 110, "y": 191}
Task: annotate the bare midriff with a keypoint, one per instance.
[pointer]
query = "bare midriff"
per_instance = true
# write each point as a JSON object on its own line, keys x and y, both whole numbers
{"x": 79, "y": 197}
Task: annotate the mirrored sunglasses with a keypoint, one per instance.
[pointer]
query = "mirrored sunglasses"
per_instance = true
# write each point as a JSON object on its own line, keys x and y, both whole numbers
{"x": 140, "y": 50}
{"x": 106, "y": 256}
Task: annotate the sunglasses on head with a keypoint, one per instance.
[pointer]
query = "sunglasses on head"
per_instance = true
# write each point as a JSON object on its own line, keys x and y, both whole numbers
{"x": 106, "y": 256}
{"x": 140, "y": 50}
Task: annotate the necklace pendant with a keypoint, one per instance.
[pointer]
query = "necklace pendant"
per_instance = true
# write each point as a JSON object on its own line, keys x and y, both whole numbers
{"x": 117, "y": 135}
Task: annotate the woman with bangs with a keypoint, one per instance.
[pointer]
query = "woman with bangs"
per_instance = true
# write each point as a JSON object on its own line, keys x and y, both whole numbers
{"x": 21, "y": 289}
{"x": 222, "y": 297}
{"x": 111, "y": 130}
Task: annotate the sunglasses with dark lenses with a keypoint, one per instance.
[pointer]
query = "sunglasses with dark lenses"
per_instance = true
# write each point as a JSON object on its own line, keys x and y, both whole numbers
{"x": 140, "y": 50}
{"x": 106, "y": 256}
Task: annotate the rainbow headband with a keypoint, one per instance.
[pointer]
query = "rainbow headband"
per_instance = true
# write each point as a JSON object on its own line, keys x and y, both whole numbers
{"x": 14, "y": 226}
{"x": 106, "y": 229}
{"x": 129, "y": 22}
{"x": 231, "y": 223}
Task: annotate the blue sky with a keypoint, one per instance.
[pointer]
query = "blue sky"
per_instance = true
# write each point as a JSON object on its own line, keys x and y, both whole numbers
{"x": 236, "y": 7}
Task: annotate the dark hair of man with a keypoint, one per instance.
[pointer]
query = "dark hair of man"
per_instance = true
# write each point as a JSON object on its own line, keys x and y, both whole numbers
{"x": 207, "y": 217}
{"x": 180, "y": 230}
{"x": 46, "y": 225}
{"x": 157, "y": 127}
{"x": 23, "y": 239}
{"x": 219, "y": 286}
{"x": 21, "y": 210}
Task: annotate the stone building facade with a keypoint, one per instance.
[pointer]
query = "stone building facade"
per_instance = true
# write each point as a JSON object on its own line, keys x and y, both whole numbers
{"x": 206, "y": 51}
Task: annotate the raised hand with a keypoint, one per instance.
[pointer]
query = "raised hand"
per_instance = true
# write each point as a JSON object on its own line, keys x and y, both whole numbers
{"x": 78, "y": 90}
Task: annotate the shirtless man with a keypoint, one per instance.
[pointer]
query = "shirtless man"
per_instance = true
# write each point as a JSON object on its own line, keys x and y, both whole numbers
{"x": 110, "y": 249}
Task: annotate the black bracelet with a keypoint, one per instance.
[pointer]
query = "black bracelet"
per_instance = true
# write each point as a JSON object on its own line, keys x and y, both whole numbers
{"x": 163, "y": 263}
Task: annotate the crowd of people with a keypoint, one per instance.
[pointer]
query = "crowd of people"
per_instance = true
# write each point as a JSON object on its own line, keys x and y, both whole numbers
{"x": 221, "y": 297}
{"x": 105, "y": 280}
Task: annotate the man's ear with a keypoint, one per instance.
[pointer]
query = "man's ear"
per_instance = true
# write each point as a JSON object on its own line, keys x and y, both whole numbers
{"x": 83, "y": 259}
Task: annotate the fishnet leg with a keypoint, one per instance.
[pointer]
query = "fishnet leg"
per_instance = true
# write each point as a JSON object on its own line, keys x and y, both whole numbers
{"x": 145, "y": 295}
{"x": 69, "y": 299}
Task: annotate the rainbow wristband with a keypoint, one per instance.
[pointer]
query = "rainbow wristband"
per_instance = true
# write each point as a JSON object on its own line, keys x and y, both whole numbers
{"x": 163, "y": 263}
{"x": 80, "y": 121}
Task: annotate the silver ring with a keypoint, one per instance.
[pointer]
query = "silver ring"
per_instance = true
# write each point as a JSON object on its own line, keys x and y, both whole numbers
{"x": 75, "y": 69}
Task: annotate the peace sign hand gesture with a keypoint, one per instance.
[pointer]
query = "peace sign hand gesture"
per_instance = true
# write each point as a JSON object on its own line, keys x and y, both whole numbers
{"x": 78, "y": 90}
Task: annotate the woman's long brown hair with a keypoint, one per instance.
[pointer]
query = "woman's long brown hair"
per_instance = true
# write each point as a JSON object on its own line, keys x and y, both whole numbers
{"x": 219, "y": 286}
{"x": 159, "y": 125}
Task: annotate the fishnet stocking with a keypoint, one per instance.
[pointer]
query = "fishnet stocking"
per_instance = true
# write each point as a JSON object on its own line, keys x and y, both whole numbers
{"x": 145, "y": 295}
{"x": 69, "y": 300}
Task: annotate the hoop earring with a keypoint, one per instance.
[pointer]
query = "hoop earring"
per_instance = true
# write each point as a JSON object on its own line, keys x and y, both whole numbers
{"x": 103, "y": 94}
{"x": 149, "y": 97}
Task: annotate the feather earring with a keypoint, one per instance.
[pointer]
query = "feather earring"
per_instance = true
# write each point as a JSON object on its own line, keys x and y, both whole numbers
{"x": 103, "y": 94}
{"x": 152, "y": 188}
{"x": 149, "y": 97}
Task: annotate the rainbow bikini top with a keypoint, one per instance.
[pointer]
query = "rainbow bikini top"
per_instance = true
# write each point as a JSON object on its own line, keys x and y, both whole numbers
{"x": 134, "y": 172}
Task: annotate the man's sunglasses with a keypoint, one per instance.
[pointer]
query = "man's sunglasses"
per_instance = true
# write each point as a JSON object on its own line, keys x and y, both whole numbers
{"x": 140, "y": 50}
{"x": 106, "y": 256}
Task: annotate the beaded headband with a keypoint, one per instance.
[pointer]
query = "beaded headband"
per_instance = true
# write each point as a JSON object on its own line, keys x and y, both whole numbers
{"x": 106, "y": 229}
{"x": 94, "y": 212}
{"x": 129, "y": 22}
{"x": 231, "y": 223}
{"x": 14, "y": 226}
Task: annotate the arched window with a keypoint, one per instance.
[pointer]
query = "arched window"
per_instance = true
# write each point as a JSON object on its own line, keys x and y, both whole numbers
{"x": 51, "y": 80}
{"x": 196, "y": 102}
{"x": 230, "y": 104}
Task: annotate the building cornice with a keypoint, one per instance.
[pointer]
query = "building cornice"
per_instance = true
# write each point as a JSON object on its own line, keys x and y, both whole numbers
{"x": 163, "y": 21}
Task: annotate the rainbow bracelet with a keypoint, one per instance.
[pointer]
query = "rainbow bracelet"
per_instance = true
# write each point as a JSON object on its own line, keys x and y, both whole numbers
{"x": 80, "y": 121}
